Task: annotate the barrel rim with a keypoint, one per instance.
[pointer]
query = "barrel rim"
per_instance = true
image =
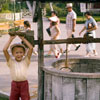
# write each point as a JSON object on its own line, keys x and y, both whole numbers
{"x": 54, "y": 71}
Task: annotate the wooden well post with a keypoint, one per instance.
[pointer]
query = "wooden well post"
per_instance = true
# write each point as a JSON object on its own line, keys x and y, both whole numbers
{"x": 66, "y": 61}
{"x": 40, "y": 54}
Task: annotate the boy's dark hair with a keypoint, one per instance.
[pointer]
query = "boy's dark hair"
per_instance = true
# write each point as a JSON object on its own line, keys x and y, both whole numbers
{"x": 54, "y": 12}
{"x": 19, "y": 46}
{"x": 88, "y": 13}
{"x": 27, "y": 24}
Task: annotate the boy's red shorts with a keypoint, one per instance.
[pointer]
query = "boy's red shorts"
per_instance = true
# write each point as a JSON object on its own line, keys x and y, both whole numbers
{"x": 19, "y": 90}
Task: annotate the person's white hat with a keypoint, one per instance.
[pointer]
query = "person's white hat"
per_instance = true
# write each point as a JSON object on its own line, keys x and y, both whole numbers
{"x": 69, "y": 5}
{"x": 17, "y": 45}
{"x": 53, "y": 19}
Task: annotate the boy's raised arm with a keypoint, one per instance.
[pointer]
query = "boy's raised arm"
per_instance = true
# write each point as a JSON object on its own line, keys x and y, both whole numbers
{"x": 5, "y": 49}
{"x": 29, "y": 46}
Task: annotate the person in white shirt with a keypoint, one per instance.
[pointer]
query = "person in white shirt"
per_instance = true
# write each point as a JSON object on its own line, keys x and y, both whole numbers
{"x": 90, "y": 28}
{"x": 71, "y": 24}
{"x": 54, "y": 14}
{"x": 18, "y": 68}
{"x": 55, "y": 32}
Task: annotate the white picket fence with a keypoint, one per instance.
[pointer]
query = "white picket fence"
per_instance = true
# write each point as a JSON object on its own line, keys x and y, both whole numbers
{"x": 10, "y": 16}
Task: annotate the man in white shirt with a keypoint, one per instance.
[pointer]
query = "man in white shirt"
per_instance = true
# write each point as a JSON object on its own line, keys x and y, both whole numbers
{"x": 71, "y": 24}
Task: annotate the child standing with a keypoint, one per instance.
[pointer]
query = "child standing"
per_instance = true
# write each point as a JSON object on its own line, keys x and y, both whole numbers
{"x": 30, "y": 38}
{"x": 18, "y": 68}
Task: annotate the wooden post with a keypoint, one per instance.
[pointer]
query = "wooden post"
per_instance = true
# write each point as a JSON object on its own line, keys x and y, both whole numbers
{"x": 40, "y": 55}
{"x": 66, "y": 61}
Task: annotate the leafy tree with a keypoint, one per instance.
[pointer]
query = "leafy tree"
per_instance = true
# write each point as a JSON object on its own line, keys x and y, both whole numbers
{"x": 61, "y": 10}
{"x": 4, "y": 5}
{"x": 8, "y": 6}
{"x": 58, "y": 7}
{"x": 1, "y": 4}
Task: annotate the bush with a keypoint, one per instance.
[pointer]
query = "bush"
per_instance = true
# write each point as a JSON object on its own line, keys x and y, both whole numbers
{"x": 60, "y": 12}
{"x": 48, "y": 11}
{"x": 5, "y": 11}
{"x": 5, "y": 6}
{"x": 1, "y": 98}
{"x": 79, "y": 19}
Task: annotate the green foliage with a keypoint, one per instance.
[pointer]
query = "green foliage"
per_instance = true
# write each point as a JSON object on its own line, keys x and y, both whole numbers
{"x": 59, "y": 8}
{"x": 60, "y": 11}
{"x": 5, "y": 11}
{"x": 97, "y": 18}
{"x": 80, "y": 19}
{"x": 14, "y": 29}
{"x": 8, "y": 6}
{"x": 48, "y": 9}
{"x": 2, "y": 98}
{"x": 5, "y": 6}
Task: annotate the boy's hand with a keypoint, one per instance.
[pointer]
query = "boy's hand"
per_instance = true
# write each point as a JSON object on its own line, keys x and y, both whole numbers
{"x": 21, "y": 37}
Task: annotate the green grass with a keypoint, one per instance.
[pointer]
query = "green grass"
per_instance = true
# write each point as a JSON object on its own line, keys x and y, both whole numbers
{"x": 5, "y": 11}
{"x": 5, "y": 20}
{"x": 80, "y": 19}
{"x": 1, "y": 98}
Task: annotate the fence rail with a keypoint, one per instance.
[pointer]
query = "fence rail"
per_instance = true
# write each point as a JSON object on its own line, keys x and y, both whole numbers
{"x": 63, "y": 41}
{"x": 70, "y": 41}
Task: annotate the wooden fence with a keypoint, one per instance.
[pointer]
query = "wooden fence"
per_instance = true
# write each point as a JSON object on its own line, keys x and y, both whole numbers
{"x": 70, "y": 41}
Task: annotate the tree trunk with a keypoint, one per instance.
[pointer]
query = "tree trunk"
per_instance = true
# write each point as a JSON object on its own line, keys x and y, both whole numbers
{"x": 51, "y": 7}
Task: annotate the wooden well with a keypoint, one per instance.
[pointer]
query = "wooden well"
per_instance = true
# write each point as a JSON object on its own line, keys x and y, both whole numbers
{"x": 81, "y": 84}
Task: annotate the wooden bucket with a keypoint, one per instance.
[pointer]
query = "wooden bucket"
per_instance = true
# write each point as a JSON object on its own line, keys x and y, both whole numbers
{"x": 81, "y": 84}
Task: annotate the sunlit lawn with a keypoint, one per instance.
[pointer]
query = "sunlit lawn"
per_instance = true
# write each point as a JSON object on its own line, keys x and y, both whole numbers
{"x": 80, "y": 19}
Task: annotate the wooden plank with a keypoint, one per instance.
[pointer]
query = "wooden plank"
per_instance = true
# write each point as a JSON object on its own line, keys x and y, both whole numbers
{"x": 57, "y": 88}
{"x": 73, "y": 41}
{"x": 68, "y": 89}
{"x": 70, "y": 41}
{"x": 93, "y": 89}
{"x": 96, "y": 68}
{"x": 40, "y": 55}
{"x": 76, "y": 67}
{"x": 66, "y": 61}
{"x": 84, "y": 68}
{"x": 80, "y": 90}
{"x": 48, "y": 87}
